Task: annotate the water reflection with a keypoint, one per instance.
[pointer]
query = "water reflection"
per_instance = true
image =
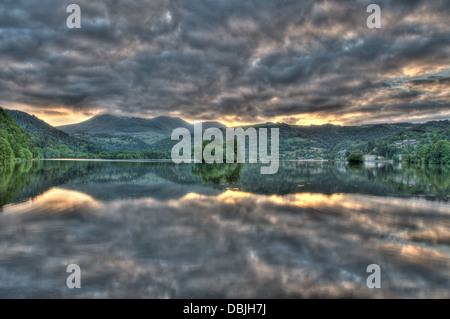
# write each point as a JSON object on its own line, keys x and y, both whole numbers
{"x": 217, "y": 173}
{"x": 158, "y": 231}
{"x": 54, "y": 201}
{"x": 111, "y": 180}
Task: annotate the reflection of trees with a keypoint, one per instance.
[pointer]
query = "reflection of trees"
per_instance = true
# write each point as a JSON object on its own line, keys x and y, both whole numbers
{"x": 215, "y": 172}
{"x": 356, "y": 167}
{"x": 24, "y": 180}
{"x": 422, "y": 180}
{"x": 433, "y": 182}
{"x": 21, "y": 181}
{"x": 13, "y": 178}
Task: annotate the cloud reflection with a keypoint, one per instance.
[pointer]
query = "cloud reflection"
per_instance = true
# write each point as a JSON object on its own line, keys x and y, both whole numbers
{"x": 228, "y": 245}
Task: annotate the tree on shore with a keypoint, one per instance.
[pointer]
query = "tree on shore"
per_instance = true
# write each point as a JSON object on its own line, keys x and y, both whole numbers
{"x": 436, "y": 153}
{"x": 6, "y": 151}
{"x": 14, "y": 142}
{"x": 356, "y": 158}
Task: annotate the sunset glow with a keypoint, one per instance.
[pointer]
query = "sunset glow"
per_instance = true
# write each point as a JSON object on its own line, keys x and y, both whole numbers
{"x": 312, "y": 65}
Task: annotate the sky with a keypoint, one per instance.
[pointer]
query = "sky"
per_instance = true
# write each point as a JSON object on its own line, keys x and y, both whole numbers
{"x": 236, "y": 61}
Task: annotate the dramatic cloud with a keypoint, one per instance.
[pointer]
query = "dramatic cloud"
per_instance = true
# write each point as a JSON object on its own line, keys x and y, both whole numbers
{"x": 236, "y": 61}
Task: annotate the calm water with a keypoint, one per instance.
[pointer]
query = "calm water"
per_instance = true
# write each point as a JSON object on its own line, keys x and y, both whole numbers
{"x": 158, "y": 230}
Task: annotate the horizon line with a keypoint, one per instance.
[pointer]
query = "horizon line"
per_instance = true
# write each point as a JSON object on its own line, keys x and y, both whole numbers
{"x": 232, "y": 126}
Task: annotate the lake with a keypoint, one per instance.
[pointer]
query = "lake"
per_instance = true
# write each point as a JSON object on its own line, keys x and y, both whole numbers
{"x": 160, "y": 230}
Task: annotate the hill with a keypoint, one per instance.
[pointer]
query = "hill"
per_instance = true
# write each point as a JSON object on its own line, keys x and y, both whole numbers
{"x": 337, "y": 142}
{"x": 408, "y": 141}
{"x": 109, "y": 136}
{"x": 317, "y": 141}
{"x": 14, "y": 142}
{"x": 52, "y": 143}
{"x": 122, "y": 133}
{"x": 111, "y": 124}
{"x": 119, "y": 133}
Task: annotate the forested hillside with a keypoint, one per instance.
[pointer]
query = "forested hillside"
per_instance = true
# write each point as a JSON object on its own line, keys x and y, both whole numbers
{"x": 32, "y": 137}
{"x": 51, "y": 142}
{"x": 409, "y": 141}
{"x": 124, "y": 133}
{"x": 14, "y": 142}
{"x": 325, "y": 141}
{"x": 337, "y": 142}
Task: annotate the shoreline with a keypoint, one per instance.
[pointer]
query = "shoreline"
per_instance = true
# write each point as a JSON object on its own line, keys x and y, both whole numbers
{"x": 159, "y": 160}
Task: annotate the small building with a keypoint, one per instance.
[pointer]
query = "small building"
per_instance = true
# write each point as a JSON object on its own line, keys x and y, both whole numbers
{"x": 370, "y": 158}
{"x": 407, "y": 142}
{"x": 381, "y": 158}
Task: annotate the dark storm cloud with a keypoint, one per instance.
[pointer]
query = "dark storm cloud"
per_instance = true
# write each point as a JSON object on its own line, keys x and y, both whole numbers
{"x": 246, "y": 60}
{"x": 432, "y": 80}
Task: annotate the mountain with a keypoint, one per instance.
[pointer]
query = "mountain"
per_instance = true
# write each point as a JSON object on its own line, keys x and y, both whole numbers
{"x": 326, "y": 141}
{"x": 14, "y": 142}
{"x": 109, "y": 136}
{"x": 110, "y": 124}
{"x": 123, "y": 133}
{"x": 297, "y": 140}
{"x": 335, "y": 141}
{"x": 50, "y": 139}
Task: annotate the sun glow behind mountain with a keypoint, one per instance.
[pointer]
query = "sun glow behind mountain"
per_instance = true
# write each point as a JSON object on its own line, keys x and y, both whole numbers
{"x": 238, "y": 64}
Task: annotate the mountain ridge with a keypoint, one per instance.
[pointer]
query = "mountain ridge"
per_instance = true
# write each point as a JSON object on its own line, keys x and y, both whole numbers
{"x": 113, "y": 124}
{"x": 122, "y": 134}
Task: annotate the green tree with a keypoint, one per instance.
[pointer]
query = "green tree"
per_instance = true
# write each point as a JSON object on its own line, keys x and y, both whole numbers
{"x": 439, "y": 152}
{"x": 17, "y": 139}
{"x": 25, "y": 154}
{"x": 6, "y": 151}
{"x": 356, "y": 158}
{"x": 436, "y": 153}
{"x": 37, "y": 152}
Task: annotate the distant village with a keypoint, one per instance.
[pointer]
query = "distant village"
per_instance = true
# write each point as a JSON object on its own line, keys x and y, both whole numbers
{"x": 373, "y": 158}
{"x": 406, "y": 142}
{"x": 368, "y": 157}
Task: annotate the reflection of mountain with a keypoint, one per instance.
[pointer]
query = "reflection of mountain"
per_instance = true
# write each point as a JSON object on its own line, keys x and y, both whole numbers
{"x": 146, "y": 185}
{"x": 164, "y": 181}
{"x": 100, "y": 179}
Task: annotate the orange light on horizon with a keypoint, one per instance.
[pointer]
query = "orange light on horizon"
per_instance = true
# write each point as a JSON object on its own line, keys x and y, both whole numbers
{"x": 309, "y": 119}
{"x": 53, "y": 116}
{"x": 71, "y": 118}
{"x": 298, "y": 119}
{"x": 63, "y": 116}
